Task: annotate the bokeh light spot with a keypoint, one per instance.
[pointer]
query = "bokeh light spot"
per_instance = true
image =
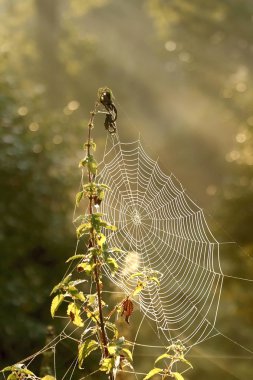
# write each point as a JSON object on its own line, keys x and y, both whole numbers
{"x": 57, "y": 139}
{"x": 73, "y": 105}
{"x": 211, "y": 190}
{"x": 37, "y": 148}
{"x": 170, "y": 45}
{"x": 22, "y": 111}
{"x": 34, "y": 126}
{"x": 241, "y": 87}
{"x": 233, "y": 156}
{"x": 241, "y": 137}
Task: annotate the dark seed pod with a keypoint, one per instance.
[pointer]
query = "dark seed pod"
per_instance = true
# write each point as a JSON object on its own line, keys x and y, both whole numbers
{"x": 106, "y": 98}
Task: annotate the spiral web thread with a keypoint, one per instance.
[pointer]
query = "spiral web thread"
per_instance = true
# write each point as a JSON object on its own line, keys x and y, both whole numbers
{"x": 162, "y": 231}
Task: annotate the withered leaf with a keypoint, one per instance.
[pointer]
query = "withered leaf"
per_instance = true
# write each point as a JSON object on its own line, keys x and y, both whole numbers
{"x": 127, "y": 309}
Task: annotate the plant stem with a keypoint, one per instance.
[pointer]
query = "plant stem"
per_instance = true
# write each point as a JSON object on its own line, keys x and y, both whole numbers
{"x": 103, "y": 335}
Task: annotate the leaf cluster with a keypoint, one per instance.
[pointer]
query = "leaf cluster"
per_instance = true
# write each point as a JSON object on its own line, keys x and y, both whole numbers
{"x": 20, "y": 372}
{"x": 94, "y": 191}
{"x": 144, "y": 278}
{"x": 69, "y": 292}
{"x": 173, "y": 355}
{"x": 90, "y": 163}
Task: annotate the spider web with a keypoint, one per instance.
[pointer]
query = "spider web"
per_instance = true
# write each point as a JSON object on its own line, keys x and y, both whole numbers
{"x": 161, "y": 231}
{"x": 164, "y": 232}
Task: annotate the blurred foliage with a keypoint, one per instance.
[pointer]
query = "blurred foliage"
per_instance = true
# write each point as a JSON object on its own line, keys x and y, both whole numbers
{"x": 40, "y": 129}
{"x": 211, "y": 49}
{"x": 34, "y": 226}
{"x": 183, "y": 71}
{"x": 238, "y": 188}
{"x": 207, "y": 53}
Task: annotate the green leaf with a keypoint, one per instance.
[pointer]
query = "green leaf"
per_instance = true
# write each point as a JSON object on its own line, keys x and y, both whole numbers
{"x": 74, "y": 312}
{"x": 82, "y": 229}
{"x": 90, "y": 186}
{"x": 94, "y": 251}
{"x": 75, "y": 257}
{"x": 96, "y": 222}
{"x": 79, "y": 197}
{"x": 153, "y": 372}
{"x": 104, "y": 186}
{"x": 18, "y": 370}
{"x": 112, "y": 264}
{"x": 76, "y": 282}
{"x": 90, "y": 143}
{"x": 80, "y": 296}
{"x": 155, "y": 279}
{"x": 74, "y": 292}
{"x": 21, "y": 368}
{"x": 163, "y": 356}
{"x": 56, "y": 288}
{"x": 48, "y": 377}
{"x": 66, "y": 279}
{"x": 56, "y": 302}
{"x": 115, "y": 250}
{"x": 85, "y": 349}
{"x": 112, "y": 350}
{"x": 97, "y": 214}
{"x": 128, "y": 354}
{"x": 61, "y": 284}
{"x": 100, "y": 194}
{"x": 93, "y": 315}
{"x": 27, "y": 372}
{"x": 13, "y": 376}
{"x": 86, "y": 267}
{"x": 91, "y": 299}
{"x": 137, "y": 274}
{"x": 177, "y": 375}
{"x": 120, "y": 341}
{"x": 107, "y": 365}
{"x": 92, "y": 164}
{"x": 5, "y": 369}
{"x": 140, "y": 286}
{"x": 93, "y": 145}
{"x": 112, "y": 327}
{"x": 91, "y": 330}
{"x": 110, "y": 227}
{"x": 83, "y": 162}
{"x": 101, "y": 239}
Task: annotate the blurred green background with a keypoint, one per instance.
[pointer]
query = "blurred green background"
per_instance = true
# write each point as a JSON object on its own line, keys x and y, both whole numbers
{"x": 182, "y": 76}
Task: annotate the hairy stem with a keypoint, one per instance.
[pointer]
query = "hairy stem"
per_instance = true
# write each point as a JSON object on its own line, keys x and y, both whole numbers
{"x": 102, "y": 335}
